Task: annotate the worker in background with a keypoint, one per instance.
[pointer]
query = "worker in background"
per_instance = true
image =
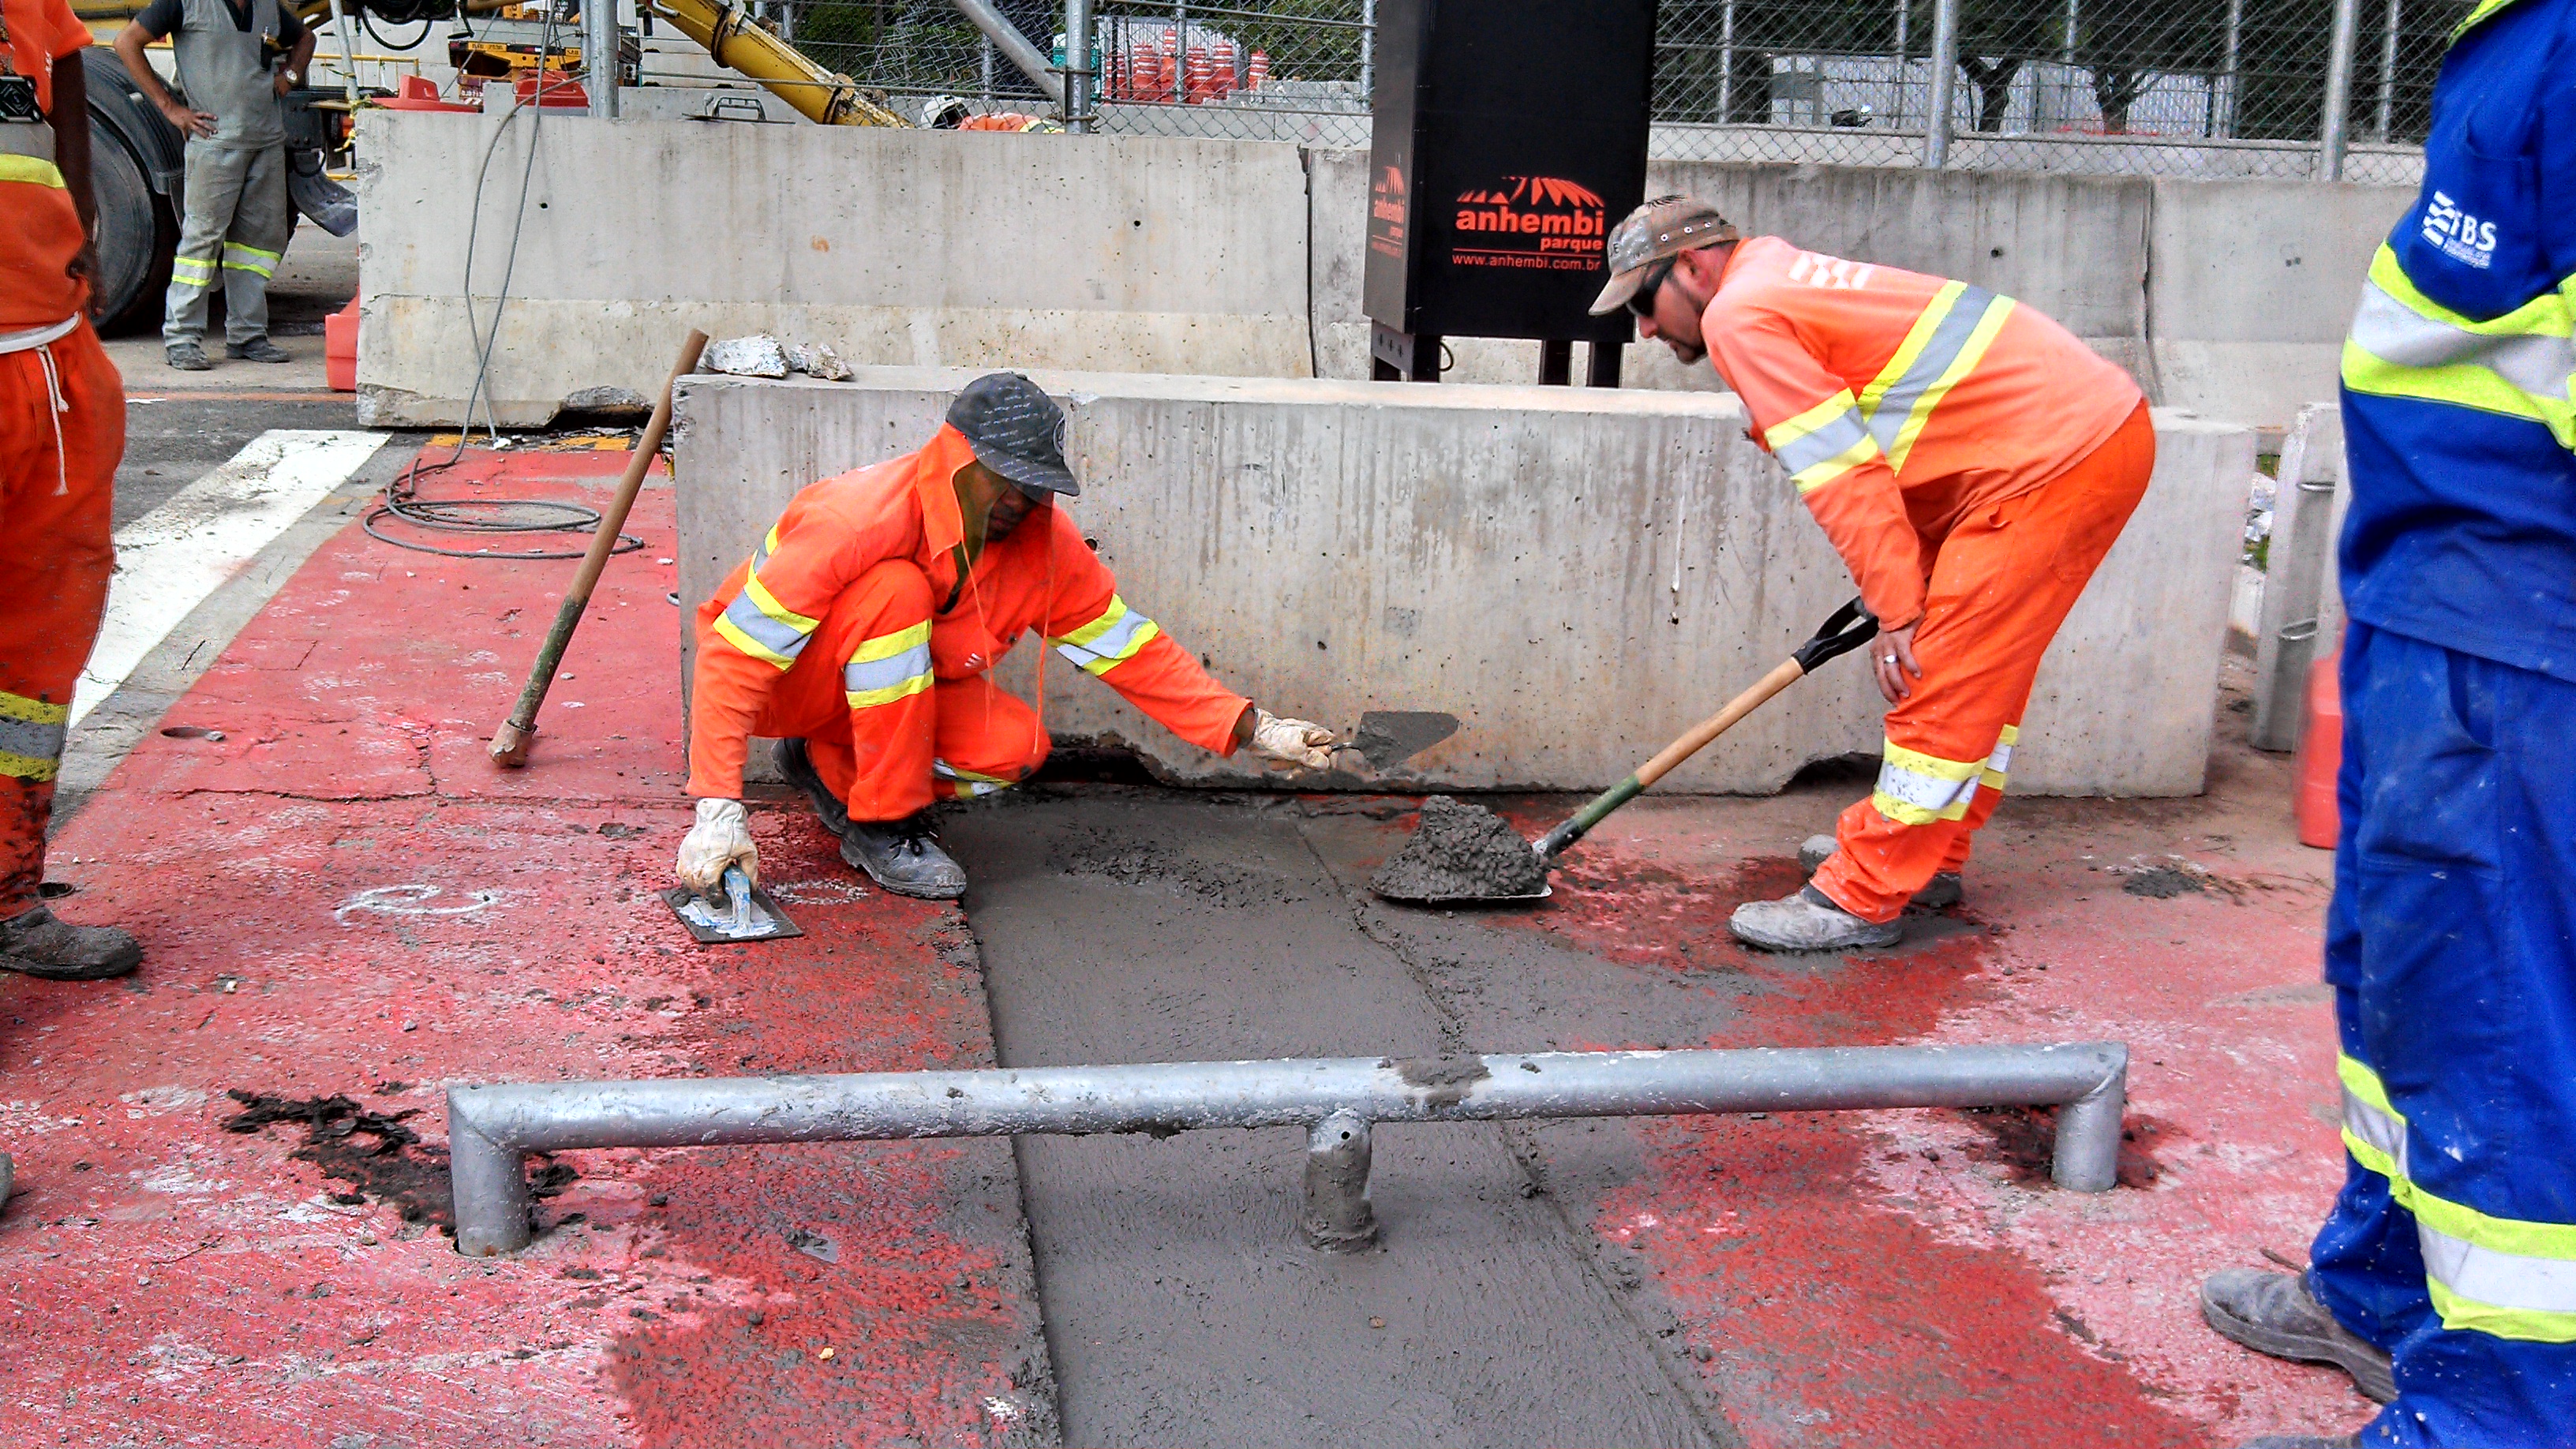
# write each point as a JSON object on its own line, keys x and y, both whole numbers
{"x": 2444, "y": 1280}
{"x": 235, "y": 64}
{"x": 62, "y": 430}
{"x": 951, "y": 113}
{"x": 860, "y": 633}
{"x": 1971, "y": 461}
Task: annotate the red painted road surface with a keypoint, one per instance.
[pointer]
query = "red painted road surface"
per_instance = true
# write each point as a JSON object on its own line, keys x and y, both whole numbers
{"x": 342, "y": 898}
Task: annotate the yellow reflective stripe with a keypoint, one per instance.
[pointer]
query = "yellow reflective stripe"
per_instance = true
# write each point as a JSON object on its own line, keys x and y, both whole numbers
{"x": 767, "y": 602}
{"x": 1108, "y": 641}
{"x": 731, "y": 633}
{"x": 34, "y": 170}
{"x": 31, "y": 768}
{"x": 33, "y": 710}
{"x": 2485, "y": 9}
{"x": 1999, "y": 764}
{"x": 2502, "y": 1276}
{"x": 889, "y": 667}
{"x": 969, "y": 784}
{"x": 1917, "y": 789}
{"x": 239, "y": 258}
{"x": 190, "y": 269}
{"x": 768, "y": 546}
{"x": 1947, "y": 341}
{"x": 1822, "y": 443}
{"x": 2405, "y": 344}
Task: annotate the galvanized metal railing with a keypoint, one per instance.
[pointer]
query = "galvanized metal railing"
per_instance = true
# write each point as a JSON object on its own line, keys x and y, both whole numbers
{"x": 491, "y": 1129}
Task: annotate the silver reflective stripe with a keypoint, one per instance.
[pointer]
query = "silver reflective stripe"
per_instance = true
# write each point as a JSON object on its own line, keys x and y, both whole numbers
{"x": 1926, "y": 792}
{"x": 1823, "y": 445}
{"x": 2393, "y": 332}
{"x": 860, "y": 676}
{"x": 30, "y": 739}
{"x": 2377, "y": 1128}
{"x": 745, "y": 615}
{"x": 1949, "y": 338}
{"x": 970, "y": 786}
{"x": 2497, "y": 1279}
{"x": 1113, "y": 644}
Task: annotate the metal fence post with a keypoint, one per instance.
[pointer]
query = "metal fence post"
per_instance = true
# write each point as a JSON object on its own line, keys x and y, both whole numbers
{"x": 2387, "y": 73}
{"x": 1726, "y": 66}
{"x": 2234, "y": 82}
{"x": 598, "y": 55}
{"x": 1078, "y": 66}
{"x": 2331, "y": 129}
{"x": 1896, "y": 111}
{"x": 1368, "y": 52}
{"x": 1945, "y": 61}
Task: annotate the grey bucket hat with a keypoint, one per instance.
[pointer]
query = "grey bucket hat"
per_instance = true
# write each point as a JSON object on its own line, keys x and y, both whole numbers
{"x": 1017, "y": 431}
{"x": 1664, "y": 227}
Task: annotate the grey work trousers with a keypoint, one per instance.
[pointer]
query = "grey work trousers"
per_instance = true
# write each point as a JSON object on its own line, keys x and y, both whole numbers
{"x": 236, "y": 226}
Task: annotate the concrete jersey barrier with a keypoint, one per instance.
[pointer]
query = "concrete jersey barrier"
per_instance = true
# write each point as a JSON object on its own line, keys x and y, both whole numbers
{"x": 1578, "y": 575}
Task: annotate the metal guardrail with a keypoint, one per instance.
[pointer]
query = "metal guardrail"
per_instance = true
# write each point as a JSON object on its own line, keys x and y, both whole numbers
{"x": 491, "y": 1129}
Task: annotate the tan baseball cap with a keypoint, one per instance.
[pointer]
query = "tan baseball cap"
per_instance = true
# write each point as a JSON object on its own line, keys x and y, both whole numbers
{"x": 1664, "y": 227}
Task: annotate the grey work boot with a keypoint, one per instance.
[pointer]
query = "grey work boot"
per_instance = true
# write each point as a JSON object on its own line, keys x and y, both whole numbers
{"x": 1942, "y": 892}
{"x": 187, "y": 357}
{"x": 1808, "y": 921}
{"x": 2274, "y": 1313}
{"x": 904, "y": 857}
{"x": 258, "y": 349}
{"x": 36, "y": 944}
{"x": 799, "y": 770}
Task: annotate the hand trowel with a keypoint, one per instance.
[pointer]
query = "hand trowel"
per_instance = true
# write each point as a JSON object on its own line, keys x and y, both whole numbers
{"x": 738, "y": 912}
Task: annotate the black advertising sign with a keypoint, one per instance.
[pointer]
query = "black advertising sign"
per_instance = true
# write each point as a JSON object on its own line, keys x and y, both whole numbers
{"x": 1510, "y": 137}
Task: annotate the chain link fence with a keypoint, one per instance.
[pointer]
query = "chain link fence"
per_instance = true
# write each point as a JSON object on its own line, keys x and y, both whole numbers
{"x": 2198, "y": 88}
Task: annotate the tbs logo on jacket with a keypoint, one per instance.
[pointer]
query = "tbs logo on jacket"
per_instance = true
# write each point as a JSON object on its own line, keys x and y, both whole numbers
{"x": 2462, "y": 237}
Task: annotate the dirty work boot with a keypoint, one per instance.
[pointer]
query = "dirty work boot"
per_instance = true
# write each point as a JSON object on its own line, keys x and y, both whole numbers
{"x": 1807, "y": 921}
{"x": 1943, "y": 891}
{"x": 904, "y": 857}
{"x": 258, "y": 349}
{"x": 2275, "y": 1313}
{"x": 187, "y": 357}
{"x": 799, "y": 770}
{"x": 38, "y": 945}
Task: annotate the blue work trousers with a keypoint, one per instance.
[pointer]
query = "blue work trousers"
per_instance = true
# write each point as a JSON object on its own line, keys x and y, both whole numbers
{"x": 2451, "y": 947}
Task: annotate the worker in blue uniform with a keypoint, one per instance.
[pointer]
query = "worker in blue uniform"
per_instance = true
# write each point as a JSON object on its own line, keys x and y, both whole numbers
{"x": 2444, "y": 1280}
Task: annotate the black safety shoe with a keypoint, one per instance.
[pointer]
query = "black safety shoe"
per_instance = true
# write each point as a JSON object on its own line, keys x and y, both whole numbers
{"x": 2275, "y": 1313}
{"x": 1938, "y": 894}
{"x": 904, "y": 857}
{"x": 187, "y": 357}
{"x": 258, "y": 349}
{"x": 799, "y": 771}
{"x": 36, "y": 944}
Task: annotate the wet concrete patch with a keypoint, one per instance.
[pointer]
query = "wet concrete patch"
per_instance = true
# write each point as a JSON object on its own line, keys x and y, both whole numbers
{"x": 1181, "y": 1304}
{"x": 1460, "y": 852}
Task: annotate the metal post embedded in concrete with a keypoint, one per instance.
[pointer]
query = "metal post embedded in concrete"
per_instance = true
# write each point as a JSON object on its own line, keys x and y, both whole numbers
{"x": 2332, "y": 130}
{"x": 1944, "y": 68}
{"x": 599, "y": 56}
{"x": 1077, "y": 66}
{"x": 490, "y": 1129}
{"x": 1338, "y": 1218}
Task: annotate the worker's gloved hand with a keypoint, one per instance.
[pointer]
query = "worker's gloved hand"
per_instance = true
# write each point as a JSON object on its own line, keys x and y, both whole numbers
{"x": 722, "y": 837}
{"x": 1291, "y": 741}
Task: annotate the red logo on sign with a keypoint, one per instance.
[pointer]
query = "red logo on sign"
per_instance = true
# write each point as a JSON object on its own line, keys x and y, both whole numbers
{"x": 1387, "y": 213}
{"x": 1546, "y": 222}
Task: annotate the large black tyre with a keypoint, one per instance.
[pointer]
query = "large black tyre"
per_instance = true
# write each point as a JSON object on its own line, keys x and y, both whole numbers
{"x": 137, "y": 233}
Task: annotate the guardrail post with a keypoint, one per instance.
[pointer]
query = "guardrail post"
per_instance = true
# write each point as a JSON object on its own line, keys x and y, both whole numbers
{"x": 1338, "y": 1217}
{"x": 1945, "y": 76}
{"x": 2332, "y": 131}
{"x": 488, "y": 1183}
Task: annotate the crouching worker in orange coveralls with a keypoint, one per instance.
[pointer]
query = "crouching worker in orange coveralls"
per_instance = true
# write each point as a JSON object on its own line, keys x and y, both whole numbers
{"x": 860, "y": 633}
{"x": 1972, "y": 463}
{"x": 62, "y": 431}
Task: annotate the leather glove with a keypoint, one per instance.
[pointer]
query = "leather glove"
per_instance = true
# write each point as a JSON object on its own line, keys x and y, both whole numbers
{"x": 722, "y": 837}
{"x": 1293, "y": 742}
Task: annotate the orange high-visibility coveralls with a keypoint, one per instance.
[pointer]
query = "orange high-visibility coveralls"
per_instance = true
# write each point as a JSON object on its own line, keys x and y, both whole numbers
{"x": 1972, "y": 463}
{"x": 853, "y": 629}
{"x": 62, "y": 430}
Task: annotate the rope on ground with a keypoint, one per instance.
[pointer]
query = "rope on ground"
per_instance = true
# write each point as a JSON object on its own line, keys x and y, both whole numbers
{"x": 482, "y": 516}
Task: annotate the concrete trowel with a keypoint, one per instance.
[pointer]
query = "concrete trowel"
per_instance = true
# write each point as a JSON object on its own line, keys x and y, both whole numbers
{"x": 1465, "y": 854}
{"x": 738, "y": 912}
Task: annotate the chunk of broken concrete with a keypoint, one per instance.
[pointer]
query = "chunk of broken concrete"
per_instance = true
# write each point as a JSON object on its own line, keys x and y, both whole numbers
{"x": 758, "y": 355}
{"x": 817, "y": 359}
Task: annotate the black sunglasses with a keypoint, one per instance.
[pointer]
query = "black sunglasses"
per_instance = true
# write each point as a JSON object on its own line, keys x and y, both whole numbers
{"x": 1642, "y": 301}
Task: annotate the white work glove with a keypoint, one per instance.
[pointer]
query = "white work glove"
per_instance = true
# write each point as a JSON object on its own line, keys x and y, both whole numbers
{"x": 1291, "y": 741}
{"x": 722, "y": 837}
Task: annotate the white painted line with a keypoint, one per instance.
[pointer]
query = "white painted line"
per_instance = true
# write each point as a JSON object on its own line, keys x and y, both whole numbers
{"x": 170, "y": 559}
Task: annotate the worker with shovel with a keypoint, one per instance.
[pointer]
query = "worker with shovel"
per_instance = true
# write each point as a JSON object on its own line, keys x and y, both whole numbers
{"x": 1970, "y": 460}
{"x": 860, "y": 634}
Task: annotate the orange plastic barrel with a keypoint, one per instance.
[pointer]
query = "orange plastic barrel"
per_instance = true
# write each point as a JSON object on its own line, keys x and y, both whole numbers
{"x": 340, "y": 348}
{"x": 2320, "y": 756}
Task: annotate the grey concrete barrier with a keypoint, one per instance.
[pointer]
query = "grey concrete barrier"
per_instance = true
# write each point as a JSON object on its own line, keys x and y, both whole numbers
{"x": 491, "y": 1129}
{"x": 1576, "y": 574}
